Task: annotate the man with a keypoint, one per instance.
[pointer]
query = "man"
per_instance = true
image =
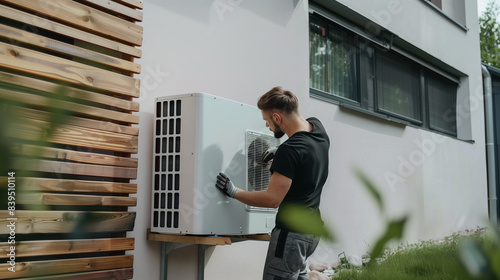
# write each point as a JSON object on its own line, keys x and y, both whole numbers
{"x": 299, "y": 172}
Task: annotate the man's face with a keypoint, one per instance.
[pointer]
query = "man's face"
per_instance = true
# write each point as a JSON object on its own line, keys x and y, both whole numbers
{"x": 273, "y": 126}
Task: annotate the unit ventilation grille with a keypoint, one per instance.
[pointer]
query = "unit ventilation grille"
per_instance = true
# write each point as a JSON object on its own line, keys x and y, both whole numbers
{"x": 167, "y": 164}
{"x": 258, "y": 174}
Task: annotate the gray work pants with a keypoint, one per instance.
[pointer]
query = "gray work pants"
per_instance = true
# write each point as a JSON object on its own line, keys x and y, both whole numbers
{"x": 287, "y": 255}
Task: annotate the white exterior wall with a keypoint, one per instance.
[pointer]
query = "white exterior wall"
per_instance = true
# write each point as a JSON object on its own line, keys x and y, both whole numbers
{"x": 239, "y": 49}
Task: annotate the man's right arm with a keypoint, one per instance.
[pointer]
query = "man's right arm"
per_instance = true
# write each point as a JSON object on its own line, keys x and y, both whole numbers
{"x": 270, "y": 198}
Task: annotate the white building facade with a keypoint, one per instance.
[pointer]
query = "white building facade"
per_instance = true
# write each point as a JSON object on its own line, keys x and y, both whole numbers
{"x": 396, "y": 83}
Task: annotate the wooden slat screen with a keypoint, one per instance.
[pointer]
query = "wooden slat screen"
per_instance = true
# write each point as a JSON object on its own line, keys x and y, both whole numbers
{"x": 67, "y": 70}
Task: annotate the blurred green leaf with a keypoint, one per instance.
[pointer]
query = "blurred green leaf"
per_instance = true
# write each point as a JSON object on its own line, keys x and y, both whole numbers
{"x": 5, "y": 143}
{"x": 494, "y": 250}
{"x": 474, "y": 259}
{"x": 371, "y": 188}
{"x": 302, "y": 219}
{"x": 57, "y": 113}
{"x": 11, "y": 119}
{"x": 394, "y": 231}
{"x": 495, "y": 261}
{"x": 494, "y": 233}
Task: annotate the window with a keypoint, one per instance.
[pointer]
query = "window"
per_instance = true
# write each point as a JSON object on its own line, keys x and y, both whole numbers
{"x": 437, "y": 3}
{"x": 385, "y": 82}
{"x": 441, "y": 96}
{"x": 454, "y": 10}
{"x": 398, "y": 87}
{"x": 333, "y": 60}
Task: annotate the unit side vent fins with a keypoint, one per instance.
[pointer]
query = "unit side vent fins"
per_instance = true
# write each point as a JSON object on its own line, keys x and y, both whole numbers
{"x": 167, "y": 164}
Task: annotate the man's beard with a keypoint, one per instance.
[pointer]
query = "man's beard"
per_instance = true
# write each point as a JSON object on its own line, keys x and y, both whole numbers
{"x": 277, "y": 131}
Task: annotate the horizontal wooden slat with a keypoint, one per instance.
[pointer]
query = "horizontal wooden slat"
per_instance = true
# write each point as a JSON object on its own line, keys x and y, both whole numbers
{"x": 60, "y": 28}
{"x": 115, "y": 274}
{"x": 134, "y": 3}
{"x": 77, "y": 136}
{"x": 37, "y": 100}
{"x": 60, "y": 167}
{"x": 95, "y": 97}
{"x": 75, "y": 200}
{"x": 38, "y": 63}
{"x": 71, "y": 186}
{"x": 84, "y": 17}
{"x": 77, "y": 222}
{"x": 38, "y": 268}
{"x": 34, "y": 39}
{"x": 76, "y": 156}
{"x": 114, "y": 7}
{"x": 77, "y": 121}
{"x": 61, "y": 247}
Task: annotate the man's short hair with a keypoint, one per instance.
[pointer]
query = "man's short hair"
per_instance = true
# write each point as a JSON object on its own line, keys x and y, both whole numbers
{"x": 279, "y": 99}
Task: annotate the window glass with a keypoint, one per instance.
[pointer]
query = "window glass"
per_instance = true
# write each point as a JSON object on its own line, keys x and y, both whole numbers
{"x": 398, "y": 86}
{"x": 333, "y": 59}
{"x": 442, "y": 98}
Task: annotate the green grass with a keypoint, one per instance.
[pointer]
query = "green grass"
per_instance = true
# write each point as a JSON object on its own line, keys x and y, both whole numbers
{"x": 424, "y": 261}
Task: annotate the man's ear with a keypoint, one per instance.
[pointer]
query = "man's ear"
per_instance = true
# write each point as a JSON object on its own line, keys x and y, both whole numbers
{"x": 277, "y": 118}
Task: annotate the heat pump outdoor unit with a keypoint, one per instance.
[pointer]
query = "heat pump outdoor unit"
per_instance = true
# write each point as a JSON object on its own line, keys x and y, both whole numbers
{"x": 195, "y": 137}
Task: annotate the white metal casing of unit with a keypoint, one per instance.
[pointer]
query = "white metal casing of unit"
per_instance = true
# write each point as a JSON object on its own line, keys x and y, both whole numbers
{"x": 196, "y": 136}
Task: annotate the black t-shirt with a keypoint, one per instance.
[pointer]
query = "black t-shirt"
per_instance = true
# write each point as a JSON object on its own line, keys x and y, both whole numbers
{"x": 303, "y": 158}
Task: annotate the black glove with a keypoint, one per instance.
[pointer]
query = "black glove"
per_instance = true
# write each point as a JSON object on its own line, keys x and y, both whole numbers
{"x": 269, "y": 154}
{"x": 225, "y": 185}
